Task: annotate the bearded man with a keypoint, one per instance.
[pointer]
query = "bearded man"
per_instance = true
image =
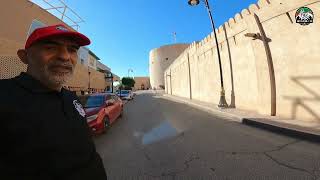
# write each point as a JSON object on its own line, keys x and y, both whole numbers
{"x": 43, "y": 127}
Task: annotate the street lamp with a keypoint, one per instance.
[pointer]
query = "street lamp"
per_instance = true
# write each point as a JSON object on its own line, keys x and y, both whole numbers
{"x": 110, "y": 76}
{"x": 222, "y": 102}
{"x": 129, "y": 70}
{"x": 89, "y": 82}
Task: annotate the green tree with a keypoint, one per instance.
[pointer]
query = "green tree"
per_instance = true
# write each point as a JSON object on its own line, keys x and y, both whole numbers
{"x": 127, "y": 82}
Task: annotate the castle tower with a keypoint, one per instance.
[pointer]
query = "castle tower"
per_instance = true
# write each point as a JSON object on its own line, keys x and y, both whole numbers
{"x": 159, "y": 59}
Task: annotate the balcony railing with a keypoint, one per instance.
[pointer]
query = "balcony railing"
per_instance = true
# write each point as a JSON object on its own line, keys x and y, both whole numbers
{"x": 61, "y": 10}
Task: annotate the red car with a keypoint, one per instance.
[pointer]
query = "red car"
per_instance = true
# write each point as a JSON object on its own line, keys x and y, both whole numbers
{"x": 102, "y": 109}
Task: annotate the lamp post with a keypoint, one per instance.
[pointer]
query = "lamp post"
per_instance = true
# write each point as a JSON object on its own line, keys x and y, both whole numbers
{"x": 110, "y": 76}
{"x": 129, "y": 70}
{"x": 89, "y": 81}
{"x": 222, "y": 102}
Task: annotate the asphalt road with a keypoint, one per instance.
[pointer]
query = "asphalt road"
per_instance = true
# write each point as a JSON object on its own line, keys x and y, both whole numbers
{"x": 161, "y": 139}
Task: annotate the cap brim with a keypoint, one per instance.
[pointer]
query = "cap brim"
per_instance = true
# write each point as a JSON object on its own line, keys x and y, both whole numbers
{"x": 79, "y": 38}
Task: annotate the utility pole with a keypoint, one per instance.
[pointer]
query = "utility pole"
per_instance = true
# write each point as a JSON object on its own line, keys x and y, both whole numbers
{"x": 175, "y": 37}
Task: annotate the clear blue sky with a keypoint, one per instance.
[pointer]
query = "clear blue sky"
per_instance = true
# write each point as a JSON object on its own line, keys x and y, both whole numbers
{"x": 123, "y": 32}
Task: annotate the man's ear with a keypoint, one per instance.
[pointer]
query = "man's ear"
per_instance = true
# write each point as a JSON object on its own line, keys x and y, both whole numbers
{"x": 22, "y": 53}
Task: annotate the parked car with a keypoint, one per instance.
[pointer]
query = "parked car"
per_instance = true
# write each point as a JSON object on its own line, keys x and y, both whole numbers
{"x": 125, "y": 94}
{"x": 132, "y": 93}
{"x": 102, "y": 110}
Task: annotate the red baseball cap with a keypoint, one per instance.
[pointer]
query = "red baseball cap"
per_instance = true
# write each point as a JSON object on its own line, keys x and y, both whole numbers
{"x": 58, "y": 30}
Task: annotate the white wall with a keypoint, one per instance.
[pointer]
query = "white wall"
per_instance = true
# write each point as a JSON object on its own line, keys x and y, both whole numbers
{"x": 83, "y": 53}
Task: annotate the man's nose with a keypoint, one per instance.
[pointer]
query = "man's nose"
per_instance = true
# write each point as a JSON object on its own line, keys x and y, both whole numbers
{"x": 64, "y": 54}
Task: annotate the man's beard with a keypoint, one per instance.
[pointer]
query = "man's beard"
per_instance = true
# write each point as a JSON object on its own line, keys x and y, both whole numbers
{"x": 58, "y": 77}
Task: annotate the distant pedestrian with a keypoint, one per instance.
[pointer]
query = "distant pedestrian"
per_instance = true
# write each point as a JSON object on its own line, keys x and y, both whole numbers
{"x": 44, "y": 133}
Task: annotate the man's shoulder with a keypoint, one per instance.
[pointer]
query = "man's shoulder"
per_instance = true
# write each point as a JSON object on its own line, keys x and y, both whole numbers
{"x": 6, "y": 84}
{"x": 70, "y": 94}
{"x": 2, "y": 81}
{"x": 8, "y": 89}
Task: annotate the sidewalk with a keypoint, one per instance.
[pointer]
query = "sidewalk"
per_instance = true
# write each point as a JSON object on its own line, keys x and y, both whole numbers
{"x": 308, "y": 130}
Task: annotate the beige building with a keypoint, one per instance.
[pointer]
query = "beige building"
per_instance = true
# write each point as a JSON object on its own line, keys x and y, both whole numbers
{"x": 141, "y": 83}
{"x": 286, "y": 84}
{"x": 159, "y": 59}
{"x": 13, "y": 34}
{"x": 109, "y": 76}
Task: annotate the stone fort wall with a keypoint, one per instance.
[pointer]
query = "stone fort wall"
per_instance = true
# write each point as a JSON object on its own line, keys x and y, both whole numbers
{"x": 295, "y": 58}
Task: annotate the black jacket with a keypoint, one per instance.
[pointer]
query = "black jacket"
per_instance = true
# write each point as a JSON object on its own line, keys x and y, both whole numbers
{"x": 44, "y": 134}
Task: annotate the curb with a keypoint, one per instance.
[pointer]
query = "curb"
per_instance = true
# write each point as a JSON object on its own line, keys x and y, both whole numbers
{"x": 292, "y": 131}
{"x": 230, "y": 116}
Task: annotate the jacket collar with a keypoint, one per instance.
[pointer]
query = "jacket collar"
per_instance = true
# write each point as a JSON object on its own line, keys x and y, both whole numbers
{"x": 30, "y": 83}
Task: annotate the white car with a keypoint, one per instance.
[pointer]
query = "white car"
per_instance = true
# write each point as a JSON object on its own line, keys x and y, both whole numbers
{"x": 125, "y": 94}
{"x": 132, "y": 94}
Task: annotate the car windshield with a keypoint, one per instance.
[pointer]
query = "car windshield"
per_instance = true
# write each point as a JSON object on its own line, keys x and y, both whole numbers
{"x": 124, "y": 92}
{"x": 92, "y": 101}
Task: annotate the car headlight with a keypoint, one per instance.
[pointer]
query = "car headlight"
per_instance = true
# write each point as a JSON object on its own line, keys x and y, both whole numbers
{"x": 91, "y": 118}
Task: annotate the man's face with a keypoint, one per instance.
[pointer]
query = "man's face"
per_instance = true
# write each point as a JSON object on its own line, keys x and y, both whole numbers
{"x": 53, "y": 60}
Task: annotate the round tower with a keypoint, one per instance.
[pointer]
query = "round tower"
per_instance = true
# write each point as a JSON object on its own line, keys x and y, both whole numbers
{"x": 159, "y": 59}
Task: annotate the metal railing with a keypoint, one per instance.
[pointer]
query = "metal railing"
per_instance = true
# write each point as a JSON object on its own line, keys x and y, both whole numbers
{"x": 62, "y": 9}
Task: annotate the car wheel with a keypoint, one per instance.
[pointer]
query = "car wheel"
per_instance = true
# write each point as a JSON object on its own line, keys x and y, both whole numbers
{"x": 106, "y": 122}
{"x": 121, "y": 114}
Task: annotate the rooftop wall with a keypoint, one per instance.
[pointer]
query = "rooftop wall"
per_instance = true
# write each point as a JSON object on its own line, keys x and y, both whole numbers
{"x": 139, "y": 81}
